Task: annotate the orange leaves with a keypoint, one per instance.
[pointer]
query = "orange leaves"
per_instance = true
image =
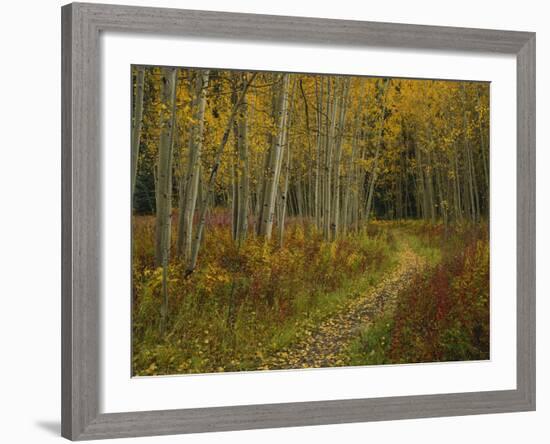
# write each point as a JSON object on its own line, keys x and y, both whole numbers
{"x": 445, "y": 314}
{"x": 243, "y": 304}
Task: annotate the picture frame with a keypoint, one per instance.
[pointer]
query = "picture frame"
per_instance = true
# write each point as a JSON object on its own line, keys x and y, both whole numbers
{"x": 81, "y": 223}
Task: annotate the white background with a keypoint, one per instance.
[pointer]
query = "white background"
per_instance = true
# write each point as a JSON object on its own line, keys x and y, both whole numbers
{"x": 30, "y": 222}
{"x": 120, "y": 393}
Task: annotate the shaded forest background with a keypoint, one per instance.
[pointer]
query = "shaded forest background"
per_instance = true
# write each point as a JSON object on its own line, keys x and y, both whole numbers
{"x": 264, "y": 202}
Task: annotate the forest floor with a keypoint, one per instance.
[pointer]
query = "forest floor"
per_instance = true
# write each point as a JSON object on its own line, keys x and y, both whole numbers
{"x": 328, "y": 344}
{"x": 398, "y": 292}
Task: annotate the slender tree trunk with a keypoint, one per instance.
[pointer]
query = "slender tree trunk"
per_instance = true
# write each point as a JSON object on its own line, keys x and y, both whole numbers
{"x": 474, "y": 184}
{"x": 374, "y": 174}
{"x": 307, "y": 201}
{"x": 482, "y": 145}
{"x": 284, "y": 195}
{"x": 458, "y": 194}
{"x": 331, "y": 128}
{"x": 430, "y": 185}
{"x": 189, "y": 188}
{"x": 351, "y": 170}
{"x": 269, "y": 162}
{"x": 272, "y": 180}
{"x": 338, "y": 159}
{"x": 137, "y": 123}
{"x": 318, "y": 155}
{"x": 235, "y": 209}
{"x": 164, "y": 188}
{"x": 243, "y": 169}
{"x": 164, "y": 167}
{"x": 421, "y": 182}
{"x": 260, "y": 190}
{"x": 212, "y": 179}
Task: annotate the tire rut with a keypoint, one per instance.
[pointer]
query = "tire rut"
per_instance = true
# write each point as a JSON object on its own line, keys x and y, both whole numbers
{"x": 326, "y": 345}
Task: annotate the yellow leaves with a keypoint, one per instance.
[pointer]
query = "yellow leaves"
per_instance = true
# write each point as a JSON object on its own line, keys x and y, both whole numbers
{"x": 299, "y": 233}
{"x": 353, "y": 260}
{"x": 215, "y": 275}
{"x": 151, "y": 370}
{"x": 366, "y": 164}
{"x": 333, "y": 250}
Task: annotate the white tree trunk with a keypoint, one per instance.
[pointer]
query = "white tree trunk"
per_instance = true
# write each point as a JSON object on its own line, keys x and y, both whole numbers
{"x": 137, "y": 124}
{"x": 164, "y": 187}
{"x": 374, "y": 174}
{"x": 272, "y": 181}
{"x": 212, "y": 179}
{"x": 189, "y": 186}
{"x": 243, "y": 170}
{"x": 335, "y": 227}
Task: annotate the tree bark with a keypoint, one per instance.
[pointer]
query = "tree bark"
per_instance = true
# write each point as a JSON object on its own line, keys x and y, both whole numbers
{"x": 351, "y": 170}
{"x": 164, "y": 188}
{"x": 272, "y": 180}
{"x": 284, "y": 195}
{"x": 189, "y": 188}
{"x": 243, "y": 170}
{"x": 335, "y": 225}
{"x": 318, "y": 154}
{"x": 211, "y": 180}
{"x": 374, "y": 173}
{"x": 137, "y": 123}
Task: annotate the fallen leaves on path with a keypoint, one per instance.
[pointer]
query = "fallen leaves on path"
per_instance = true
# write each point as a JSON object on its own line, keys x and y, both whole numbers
{"x": 326, "y": 344}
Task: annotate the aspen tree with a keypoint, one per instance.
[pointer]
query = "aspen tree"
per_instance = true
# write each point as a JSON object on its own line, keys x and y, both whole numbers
{"x": 268, "y": 161}
{"x": 319, "y": 95}
{"x": 192, "y": 263}
{"x": 335, "y": 226}
{"x": 272, "y": 180}
{"x": 329, "y": 145}
{"x": 374, "y": 173}
{"x": 243, "y": 168}
{"x": 189, "y": 187}
{"x": 284, "y": 194}
{"x": 240, "y": 169}
{"x": 164, "y": 186}
{"x": 351, "y": 170}
{"x": 284, "y": 191}
{"x": 137, "y": 123}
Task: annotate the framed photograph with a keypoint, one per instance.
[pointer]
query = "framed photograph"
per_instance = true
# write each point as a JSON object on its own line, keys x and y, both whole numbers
{"x": 278, "y": 221}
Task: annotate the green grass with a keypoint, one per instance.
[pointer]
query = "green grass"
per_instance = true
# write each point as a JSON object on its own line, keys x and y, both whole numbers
{"x": 328, "y": 304}
{"x": 432, "y": 254}
{"x": 443, "y": 315}
{"x": 373, "y": 344}
{"x": 241, "y": 306}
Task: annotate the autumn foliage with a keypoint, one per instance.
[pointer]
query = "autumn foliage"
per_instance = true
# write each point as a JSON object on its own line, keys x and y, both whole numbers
{"x": 244, "y": 303}
{"x": 444, "y": 314}
{"x": 291, "y": 220}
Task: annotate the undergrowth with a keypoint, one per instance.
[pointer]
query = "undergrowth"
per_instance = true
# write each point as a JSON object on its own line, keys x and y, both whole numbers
{"x": 244, "y": 303}
{"x": 444, "y": 314}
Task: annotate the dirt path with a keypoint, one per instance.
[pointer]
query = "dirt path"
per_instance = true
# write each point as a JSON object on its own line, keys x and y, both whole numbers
{"x": 326, "y": 345}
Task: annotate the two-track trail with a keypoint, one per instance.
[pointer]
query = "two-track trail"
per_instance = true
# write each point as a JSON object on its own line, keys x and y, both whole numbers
{"x": 326, "y": 345}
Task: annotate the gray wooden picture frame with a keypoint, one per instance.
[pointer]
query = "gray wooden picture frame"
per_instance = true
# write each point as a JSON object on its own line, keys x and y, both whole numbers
{"x": 81, "y": 231}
